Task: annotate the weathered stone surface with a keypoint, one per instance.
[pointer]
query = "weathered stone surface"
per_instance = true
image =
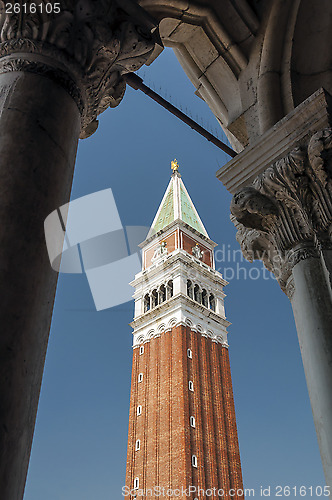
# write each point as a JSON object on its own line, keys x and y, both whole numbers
{"x": 39, "y": 129}
{"x": 284, "y": 218}
{"x": 58, "y": 72}
{"x": 312, "y": 306}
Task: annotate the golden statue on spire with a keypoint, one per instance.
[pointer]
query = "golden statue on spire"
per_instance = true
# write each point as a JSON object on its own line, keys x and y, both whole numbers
{"x": 174, "y": 166}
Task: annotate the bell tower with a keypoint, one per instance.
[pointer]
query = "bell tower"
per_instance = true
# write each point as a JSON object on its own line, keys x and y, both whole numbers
{"x": 182, "y": 428}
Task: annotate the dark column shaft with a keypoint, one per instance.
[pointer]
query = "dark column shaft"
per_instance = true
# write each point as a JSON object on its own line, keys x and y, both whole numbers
{"x": 39, "y": 129}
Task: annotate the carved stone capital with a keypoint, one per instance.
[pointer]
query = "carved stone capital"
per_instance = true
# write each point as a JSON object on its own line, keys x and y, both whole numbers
{"x": 302, "y": 251}
{"x": 285, "y": 216}
{"x": 86, "y": 47}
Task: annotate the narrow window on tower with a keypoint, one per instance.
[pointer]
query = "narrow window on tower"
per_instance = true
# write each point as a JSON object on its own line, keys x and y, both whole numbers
{"x": 189, "y": 289}
{"x": 192, "y": 422}
{"x": 189, "y": 353}
{"x": 147, "y": 303}
{"x": 141, "y": 349}
{"x": 154, "y": 298}
{"x": 197, "y": 294}
{"x": 212, "y": 302}
{"x": 191, "y": 386}
{"x": 205, "y": 298}
{"x": 137, "y": 445}
{"x": 139, "y": 410}
{"x": 140, "y": 377}
{"x": 170, "y": 289}
{"x": 136, "y": 483}
{"x": 162, "y": 294}
{"x": 194, "y": 461}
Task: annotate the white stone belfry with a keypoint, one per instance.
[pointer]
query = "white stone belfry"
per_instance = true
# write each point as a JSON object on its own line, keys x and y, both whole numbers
{"x": 178, "y": 284}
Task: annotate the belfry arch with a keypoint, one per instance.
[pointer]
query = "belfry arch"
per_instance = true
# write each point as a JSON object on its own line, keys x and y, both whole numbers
{"x": 264, "y": 69}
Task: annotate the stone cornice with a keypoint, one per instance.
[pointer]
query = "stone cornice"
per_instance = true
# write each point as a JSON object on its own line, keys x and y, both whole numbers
{"x": 178, "y": 223}
{"x": 86, "y": 48}
{"x": 309, "y": 117}
{"x": 179, "y": 310}
{"x": 175, "y": 260}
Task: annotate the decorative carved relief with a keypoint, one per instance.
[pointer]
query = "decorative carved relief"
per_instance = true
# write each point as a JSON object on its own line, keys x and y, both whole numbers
{"x": 160, "y": 252}
{"x": 284, "y": 217}
{"x": 197, "y": 252}
{"x": 89, "y": 45}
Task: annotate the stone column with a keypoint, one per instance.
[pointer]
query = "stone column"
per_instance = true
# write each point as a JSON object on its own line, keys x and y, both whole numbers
{"x": 310, "y": 295}
{"x": 58, "y": 71}
{"x": 39, "y": 129}
{"x": 284, "y": 217}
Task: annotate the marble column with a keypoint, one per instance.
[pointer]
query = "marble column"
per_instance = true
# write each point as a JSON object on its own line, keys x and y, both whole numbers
{"x": 39, "y": 130}
{"x": 57, "y": 73}
{"x": 282, "y": 208}
{"x": 284, "y": 217}
{"x": 310, "y": 295}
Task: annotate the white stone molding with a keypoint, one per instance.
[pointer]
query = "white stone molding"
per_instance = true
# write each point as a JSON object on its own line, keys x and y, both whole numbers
{"x": 180, "y": 310}
{"x": 85, "y": 48}
{"x": 178, "y": 266}
{"x": 173, "y": 226}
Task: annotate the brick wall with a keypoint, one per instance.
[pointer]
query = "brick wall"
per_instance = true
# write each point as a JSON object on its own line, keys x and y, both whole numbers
{"x": 167, "y": 441}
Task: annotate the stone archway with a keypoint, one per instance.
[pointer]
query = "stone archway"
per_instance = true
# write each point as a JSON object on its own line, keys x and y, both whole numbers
{"x": 253, "y": 62}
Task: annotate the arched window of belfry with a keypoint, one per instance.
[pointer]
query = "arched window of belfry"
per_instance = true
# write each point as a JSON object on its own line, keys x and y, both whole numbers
{"x": 147, "y": 304}
{"x": 162, "y": 294}
{"x": 212, "y": 302}
{"x": 197, "y": 294}
{"x": 169, "y": 289}
{"x": 154, "y": 298}
{"x": 189, "y": 289}
{"x": 205, "y": 300}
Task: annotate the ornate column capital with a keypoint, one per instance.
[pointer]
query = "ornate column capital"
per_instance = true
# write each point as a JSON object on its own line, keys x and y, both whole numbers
{"x": 83, "y": 45}
{"x": 286, "y": 214}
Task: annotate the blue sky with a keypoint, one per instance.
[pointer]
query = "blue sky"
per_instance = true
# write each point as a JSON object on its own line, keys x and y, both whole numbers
{"x": 79, "y": 448}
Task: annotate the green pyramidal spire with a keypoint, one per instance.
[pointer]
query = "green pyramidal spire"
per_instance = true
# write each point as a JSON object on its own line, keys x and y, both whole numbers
{"x": 177, "y": 204}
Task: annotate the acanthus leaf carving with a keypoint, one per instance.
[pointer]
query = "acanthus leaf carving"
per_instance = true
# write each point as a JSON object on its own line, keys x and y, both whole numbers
{"x": 320, "y": 174}
{"x": 253, "y": 209}
{"x": 95, "y": 42}
{"x": 300, "y": 224}
{"x": 320, "y": 155}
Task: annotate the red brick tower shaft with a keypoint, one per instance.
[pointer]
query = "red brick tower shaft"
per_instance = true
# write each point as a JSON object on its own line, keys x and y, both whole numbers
{"x": 182, "y": 440}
